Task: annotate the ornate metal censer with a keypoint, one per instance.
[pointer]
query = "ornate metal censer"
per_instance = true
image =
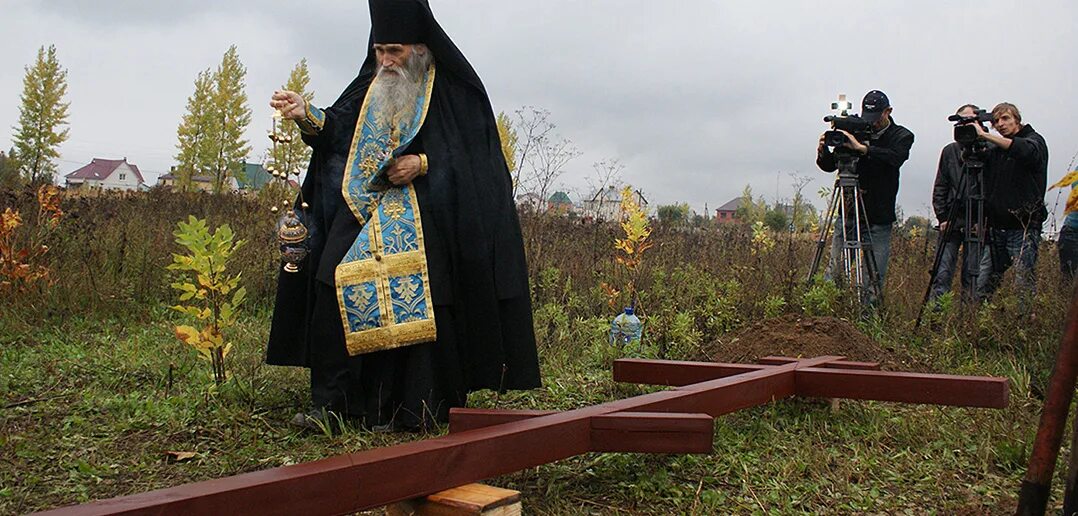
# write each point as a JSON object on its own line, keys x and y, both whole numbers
{"x": 291, "y": 232}
{"x": 292, "y": 235}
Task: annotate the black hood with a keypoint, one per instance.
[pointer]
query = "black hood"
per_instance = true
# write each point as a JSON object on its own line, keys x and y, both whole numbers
{"x": 412, "y": 21}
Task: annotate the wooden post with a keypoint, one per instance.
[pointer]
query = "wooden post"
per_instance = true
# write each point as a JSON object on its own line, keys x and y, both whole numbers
{"x": 1037, "y": 484}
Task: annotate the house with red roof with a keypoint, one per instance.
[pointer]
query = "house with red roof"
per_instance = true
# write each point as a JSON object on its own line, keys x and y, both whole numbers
{"x": 728, "y": 212}
{"x": 106, "y": 174}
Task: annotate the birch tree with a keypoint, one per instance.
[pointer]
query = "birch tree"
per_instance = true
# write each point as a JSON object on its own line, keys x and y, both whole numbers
{"x": 42, "y": 117}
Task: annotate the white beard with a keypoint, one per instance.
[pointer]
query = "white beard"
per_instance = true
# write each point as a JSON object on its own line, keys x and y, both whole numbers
{"x": 396, "y": 89}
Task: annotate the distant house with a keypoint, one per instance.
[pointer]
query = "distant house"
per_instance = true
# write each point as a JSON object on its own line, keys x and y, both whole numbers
{"x": 106, "y": 174}
{"x": 728, "y": 212}
{"x": 203, "y": 183}
{"x": 529, "y": 201}
{"x": 254, "y": 178}
{"x": 605, "y": 204}
{"x": 559, "y": 203}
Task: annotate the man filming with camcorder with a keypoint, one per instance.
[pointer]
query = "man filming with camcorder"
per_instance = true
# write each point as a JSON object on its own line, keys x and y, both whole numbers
{"x": 1016, "y": 176}
{"x": 879, "y": 147}
{"x": 957, "y": 197}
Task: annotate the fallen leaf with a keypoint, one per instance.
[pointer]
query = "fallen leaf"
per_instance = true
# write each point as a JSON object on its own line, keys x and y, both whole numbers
{"x": 180, "y": 456}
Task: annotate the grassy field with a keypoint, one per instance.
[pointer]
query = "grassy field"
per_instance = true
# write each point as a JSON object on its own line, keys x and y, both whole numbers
{"x": 100, "y": 399}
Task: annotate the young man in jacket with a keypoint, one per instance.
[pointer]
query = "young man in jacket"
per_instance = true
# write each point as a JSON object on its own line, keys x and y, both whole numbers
{"x": 1016, "y": 176}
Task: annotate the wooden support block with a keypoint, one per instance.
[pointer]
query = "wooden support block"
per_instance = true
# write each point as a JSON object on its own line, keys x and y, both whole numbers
{"x": 651, "y": 432}
{"x": 838, "y": 364}
{"x": 459, "y": 501}
{"x": 464, "y": 419}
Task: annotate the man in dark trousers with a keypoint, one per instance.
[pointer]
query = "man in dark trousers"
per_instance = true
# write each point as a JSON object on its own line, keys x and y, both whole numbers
{"x": 415, "y": 291}
{"x": 881, "y": 157}
{"x": 1016, "y": 176}
{"x": 949, "y": 203}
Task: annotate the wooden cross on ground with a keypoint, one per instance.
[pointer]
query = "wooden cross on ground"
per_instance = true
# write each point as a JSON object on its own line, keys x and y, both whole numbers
{"x": 486, "y": 443}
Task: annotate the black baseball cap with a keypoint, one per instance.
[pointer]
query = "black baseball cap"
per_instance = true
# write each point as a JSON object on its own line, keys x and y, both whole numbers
{"x": 873, "y": 106}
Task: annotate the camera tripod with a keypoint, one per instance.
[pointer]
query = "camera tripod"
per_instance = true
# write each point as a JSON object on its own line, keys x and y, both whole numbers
{"x": 847, "y": 211}
{"x": 975, "y": 232}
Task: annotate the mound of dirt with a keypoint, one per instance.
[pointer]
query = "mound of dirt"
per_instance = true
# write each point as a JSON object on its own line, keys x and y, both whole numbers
{"x": 795, "y": 336}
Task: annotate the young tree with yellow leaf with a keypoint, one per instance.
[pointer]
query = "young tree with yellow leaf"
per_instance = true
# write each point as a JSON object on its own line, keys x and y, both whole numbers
{"x": 293, "y": 154}
{"x": 42, "y": 117}
{"x": 23, "y": 249}
{"x": 214, "y": 296}
{"x": 508, "y": 138}
{"x": 629, "y": 250}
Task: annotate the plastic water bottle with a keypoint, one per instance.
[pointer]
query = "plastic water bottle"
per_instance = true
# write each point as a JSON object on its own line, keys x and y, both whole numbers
{"x": 626, "y": 328}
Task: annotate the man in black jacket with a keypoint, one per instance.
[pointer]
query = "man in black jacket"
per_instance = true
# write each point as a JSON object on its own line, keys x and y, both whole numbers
{"x": 1016, "y": 176}
{"x": 877, "y": 171}
{"x": 949, "y": 203}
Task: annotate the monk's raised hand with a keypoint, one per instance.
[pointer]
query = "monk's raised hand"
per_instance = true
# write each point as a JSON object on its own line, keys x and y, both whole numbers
{"x": 289, "y": 103}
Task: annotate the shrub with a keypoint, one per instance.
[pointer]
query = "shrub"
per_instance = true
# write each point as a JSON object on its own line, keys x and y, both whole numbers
{"x": 214, "y": 296}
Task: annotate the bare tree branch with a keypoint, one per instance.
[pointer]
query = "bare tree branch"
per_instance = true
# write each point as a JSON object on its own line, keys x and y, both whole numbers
{"x": 606, "y": 173}
{"x": 532, "y": 127}
{"x": 547, "y": 162}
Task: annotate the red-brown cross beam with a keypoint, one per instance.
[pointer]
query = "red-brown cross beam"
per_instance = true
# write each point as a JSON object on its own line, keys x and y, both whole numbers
{"x": 487, "y": 443}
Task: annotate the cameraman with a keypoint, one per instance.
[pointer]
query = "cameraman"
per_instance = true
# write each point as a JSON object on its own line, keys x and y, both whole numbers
{"x": 887, "y": 148}
{"x": 947, "y": 199}
{"x": 1016, "y": 175}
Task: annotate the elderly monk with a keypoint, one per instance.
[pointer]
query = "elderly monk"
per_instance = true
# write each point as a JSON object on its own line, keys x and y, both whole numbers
{"x": 415, "y": 290}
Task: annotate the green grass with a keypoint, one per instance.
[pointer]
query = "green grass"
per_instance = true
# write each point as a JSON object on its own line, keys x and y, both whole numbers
{"x": 92, "y": 408}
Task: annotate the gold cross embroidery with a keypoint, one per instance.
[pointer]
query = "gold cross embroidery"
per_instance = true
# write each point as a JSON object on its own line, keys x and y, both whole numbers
{"x": 393, "y": 204}
{"x": 369, "y": 166}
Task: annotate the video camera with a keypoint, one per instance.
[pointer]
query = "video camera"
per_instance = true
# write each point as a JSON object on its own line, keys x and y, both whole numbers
{"x": 964, "y": 132}
{"x": 860, "y": 128}
{"x": 853, "y": 124}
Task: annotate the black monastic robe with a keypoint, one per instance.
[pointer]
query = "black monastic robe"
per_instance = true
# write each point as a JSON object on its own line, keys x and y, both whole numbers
{"x": 474, "y": 249}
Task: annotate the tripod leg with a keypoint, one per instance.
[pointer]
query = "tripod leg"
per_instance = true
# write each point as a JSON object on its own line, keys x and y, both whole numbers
{"x": 878, "y": 254}
{"x": 825, "y": 230}
{"x": 977, "y": 235}
{"x": 947, "y": 254}
{"x": 871, "y": 285}
{"x": 859, "y": 230}
{"x": 843, "y": 248}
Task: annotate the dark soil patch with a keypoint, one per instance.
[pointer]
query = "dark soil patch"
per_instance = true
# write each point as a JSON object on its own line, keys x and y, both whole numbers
{"x": 796, "y": 336}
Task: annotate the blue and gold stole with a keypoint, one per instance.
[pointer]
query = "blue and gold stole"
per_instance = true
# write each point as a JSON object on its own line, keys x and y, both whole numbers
{"x": 382, "y": 284}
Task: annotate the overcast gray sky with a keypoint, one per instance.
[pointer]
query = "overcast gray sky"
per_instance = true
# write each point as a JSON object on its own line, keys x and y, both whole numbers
{"x": 696, "y": 97}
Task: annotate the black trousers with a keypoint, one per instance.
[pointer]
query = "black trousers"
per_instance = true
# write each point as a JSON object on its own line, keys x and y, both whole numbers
{"x": 410, "y": 387}
{"x": 1068, "y": 254}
